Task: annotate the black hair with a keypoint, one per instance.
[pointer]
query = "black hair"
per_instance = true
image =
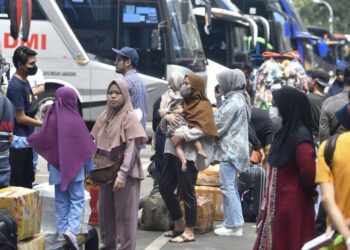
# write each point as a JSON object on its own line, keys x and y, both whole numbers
{"x": 21, "y": 55}
{"x": 248, "y": 67}
{"x": 217, "y": 88}
{"x": 339, "y": 72}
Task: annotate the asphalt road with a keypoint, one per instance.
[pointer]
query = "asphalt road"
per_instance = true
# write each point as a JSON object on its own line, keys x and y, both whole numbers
{"x": 149, "y": 240}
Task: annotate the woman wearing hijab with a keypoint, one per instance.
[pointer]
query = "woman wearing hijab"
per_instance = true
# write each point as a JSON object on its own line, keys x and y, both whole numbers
{"x": 118, "y": 133}
{"x": 160, "y": 108}
{"x": 65, "y": 142}
{"x": 288, "y": 215}
{"x": 198, "y": 113}
{"x": 232, "y": 149}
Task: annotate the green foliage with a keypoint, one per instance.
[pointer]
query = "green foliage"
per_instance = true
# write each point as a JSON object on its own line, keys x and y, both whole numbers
{"x": 317, "y": 14}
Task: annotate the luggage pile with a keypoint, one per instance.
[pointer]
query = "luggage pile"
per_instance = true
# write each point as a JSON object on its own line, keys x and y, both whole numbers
{"x": 21, "y": 218}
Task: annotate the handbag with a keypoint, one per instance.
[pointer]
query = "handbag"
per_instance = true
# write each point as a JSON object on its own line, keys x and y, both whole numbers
{"x": 106, "y": 170}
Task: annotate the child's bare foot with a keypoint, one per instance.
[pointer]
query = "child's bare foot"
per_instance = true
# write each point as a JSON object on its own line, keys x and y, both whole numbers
{"x": 202, "y": 153}
{"x": 184, "y": 166}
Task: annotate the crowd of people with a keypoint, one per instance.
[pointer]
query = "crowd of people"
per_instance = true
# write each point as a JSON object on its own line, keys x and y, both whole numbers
{"x": 290, "y": 140}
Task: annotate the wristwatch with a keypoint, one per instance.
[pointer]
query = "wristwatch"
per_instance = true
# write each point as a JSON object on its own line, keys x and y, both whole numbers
{"x": 347, "y": 242}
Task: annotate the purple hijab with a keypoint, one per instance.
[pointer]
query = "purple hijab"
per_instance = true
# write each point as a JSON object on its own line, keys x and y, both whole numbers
{"x": 64, "y": 140}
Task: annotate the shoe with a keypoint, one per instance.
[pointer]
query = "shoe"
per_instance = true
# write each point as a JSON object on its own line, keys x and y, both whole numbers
{"x": 223, "y": 231}
{"x": 60, "y": 237}
{"x": 71, "y": 240}
{"x": 219, "y": 225}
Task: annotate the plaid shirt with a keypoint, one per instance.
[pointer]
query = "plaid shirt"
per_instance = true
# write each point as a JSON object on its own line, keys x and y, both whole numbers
{"x": 138, "y": 93}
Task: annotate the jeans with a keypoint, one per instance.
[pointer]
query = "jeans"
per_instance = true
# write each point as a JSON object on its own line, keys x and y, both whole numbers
{"x": 233, "y": 216}
{"x": 69, "y": 207}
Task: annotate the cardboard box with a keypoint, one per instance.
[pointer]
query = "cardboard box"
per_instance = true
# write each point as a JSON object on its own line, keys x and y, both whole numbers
{"x": 209, "y": 177}
{"x": 205, "y": 214}
{"x": 25, "y": 205}
{"x": 214, "y": 194}
{"x": 34, "y": 243}
{"x": 94, "y": 193}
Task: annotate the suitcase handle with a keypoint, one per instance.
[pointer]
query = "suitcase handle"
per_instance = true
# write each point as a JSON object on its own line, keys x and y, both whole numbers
{"x": 246, "y": 192}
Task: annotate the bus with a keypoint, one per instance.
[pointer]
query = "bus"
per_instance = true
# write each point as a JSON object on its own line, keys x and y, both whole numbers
{"x": 74, "y": 39}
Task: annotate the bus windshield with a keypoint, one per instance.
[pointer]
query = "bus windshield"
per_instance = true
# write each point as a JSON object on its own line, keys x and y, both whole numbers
{"x": 184, "y": 35}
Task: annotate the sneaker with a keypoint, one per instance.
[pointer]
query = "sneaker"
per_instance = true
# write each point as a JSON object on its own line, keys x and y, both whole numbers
{"x": 71, "y": 240}
{"x": 223, "y": 231}
{"x": 219, "y": 225}
{"x": 60, "y": 237}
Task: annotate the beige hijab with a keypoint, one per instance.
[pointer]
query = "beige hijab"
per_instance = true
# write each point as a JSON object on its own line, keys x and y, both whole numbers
{"x": 175, "y": 82}
{"x": 115, "y": 126}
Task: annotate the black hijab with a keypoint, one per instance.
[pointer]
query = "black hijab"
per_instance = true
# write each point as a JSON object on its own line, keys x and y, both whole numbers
{"x": 295, "y": 111}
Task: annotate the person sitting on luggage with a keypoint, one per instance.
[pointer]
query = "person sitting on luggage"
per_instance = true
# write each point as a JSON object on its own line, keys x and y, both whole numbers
{"x": 334, "y": 179}
{"x": 65, "y": 142}
{"x": 176, "y": 107}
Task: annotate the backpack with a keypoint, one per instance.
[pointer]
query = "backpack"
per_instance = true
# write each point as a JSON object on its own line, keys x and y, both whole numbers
{"x": 329, "y": 150}
{"x": 8, "y": 232}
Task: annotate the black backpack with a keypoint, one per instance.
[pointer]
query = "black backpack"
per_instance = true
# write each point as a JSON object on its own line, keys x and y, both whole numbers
{"x": 8, "y": 232}
{"x": 329, "y": 150}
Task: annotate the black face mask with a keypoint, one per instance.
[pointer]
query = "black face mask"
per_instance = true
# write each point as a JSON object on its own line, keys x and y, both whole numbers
{"x": 32, "y": 71}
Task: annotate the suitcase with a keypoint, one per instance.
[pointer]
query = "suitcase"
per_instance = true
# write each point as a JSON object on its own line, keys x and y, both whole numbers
{"x": 251, "y": 186}
{"x": 8, "y": 232}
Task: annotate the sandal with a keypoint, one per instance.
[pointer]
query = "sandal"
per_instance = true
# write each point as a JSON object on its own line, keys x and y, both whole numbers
{"x": 173, "y": 233}
{"x": 181, "y": 239}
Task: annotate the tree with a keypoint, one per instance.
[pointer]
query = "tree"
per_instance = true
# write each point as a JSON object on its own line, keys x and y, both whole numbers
{"x": 317, "y": 14}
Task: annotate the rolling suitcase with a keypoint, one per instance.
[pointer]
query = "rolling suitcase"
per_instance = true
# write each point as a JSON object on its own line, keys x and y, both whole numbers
{"x": 251, "y": 186}
{"x": 8, "y": 232}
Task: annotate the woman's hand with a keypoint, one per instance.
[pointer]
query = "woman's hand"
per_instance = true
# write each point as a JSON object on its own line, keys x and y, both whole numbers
{"x": 176, "y": 138}
{"x": 162, "y": 112}
{"x": 119, "y": 183}
{"x": 172, "y": 119}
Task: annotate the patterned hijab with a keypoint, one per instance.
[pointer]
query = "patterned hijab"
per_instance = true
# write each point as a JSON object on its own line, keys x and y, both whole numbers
{"x": 175, "y": 82}
{"x": 64, "y": 140}
{"x": 117, "y": 125}
{"x": 198, "y": 111}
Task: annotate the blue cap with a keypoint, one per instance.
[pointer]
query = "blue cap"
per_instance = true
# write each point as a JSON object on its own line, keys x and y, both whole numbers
{"x": 128, "y": 53}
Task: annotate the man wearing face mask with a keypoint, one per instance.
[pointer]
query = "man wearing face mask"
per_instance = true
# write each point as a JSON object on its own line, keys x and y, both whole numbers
{"x": 20, "y": 94}
{"x": 319, "y": 81}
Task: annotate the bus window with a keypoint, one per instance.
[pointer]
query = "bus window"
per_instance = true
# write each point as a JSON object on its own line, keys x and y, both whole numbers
{"x": 138, "y": 22}
{"x": 94, "y": 24}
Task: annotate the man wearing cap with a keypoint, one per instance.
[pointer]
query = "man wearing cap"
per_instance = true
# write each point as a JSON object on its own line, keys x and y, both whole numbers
{"x": 334, "y": 178}
{"x": 125, "y": 64}
{"x": 337, "y": 86}
{"x": 319, "y": 81}
{"x": 329, "y": 125}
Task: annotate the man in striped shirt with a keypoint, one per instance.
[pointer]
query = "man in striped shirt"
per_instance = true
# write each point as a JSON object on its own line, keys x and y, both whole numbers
{"x": 125, "y": 64}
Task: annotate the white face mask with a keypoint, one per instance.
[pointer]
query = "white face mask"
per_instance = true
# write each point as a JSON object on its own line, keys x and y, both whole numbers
{"x": 274, "y": 115}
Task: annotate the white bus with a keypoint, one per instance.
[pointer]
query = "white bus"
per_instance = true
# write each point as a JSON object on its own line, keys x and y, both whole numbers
{"x": 74, "y": 38}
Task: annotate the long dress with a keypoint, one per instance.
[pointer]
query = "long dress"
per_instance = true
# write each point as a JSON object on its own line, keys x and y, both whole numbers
{"x": 289, "y": 218}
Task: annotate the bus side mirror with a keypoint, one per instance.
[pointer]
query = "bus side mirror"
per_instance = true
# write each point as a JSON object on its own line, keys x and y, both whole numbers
{"x": 185, "y": 7}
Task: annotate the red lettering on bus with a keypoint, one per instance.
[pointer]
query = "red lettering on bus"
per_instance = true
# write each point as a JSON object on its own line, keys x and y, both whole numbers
{"x": 9, "y": 43}
{"x": 34, "y": 41}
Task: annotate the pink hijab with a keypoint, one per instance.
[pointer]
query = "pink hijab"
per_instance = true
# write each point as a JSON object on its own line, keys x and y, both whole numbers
{"x": 115, "y": 126}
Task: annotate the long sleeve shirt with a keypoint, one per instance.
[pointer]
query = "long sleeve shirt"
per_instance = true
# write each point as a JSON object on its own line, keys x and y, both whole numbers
{"x": 231, "y": 121}
{"x": 329, "y": 125}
